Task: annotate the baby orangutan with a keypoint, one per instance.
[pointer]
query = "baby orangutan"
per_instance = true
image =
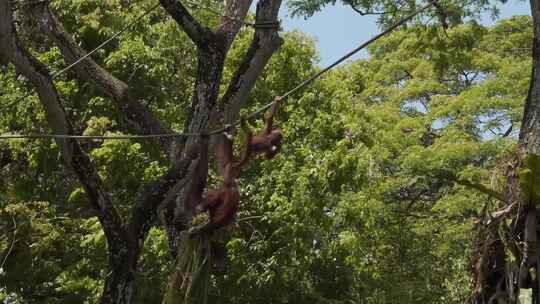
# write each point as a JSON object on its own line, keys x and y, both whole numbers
{"x": 269, "y": 141}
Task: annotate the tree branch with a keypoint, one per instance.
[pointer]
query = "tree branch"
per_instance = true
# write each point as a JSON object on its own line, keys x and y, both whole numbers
{"x": 230, "y": 24}
{"x": 201, "y": 36}
{"x": 88, "y": 70}
{"x": 265, "y": 42}
{"x": 362, "y": 13}
{"x": 72, "y": 153}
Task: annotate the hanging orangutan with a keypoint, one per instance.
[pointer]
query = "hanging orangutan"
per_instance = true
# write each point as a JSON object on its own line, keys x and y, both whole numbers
{"x": 222, "y": 203}
{"x": 268, "y": 141}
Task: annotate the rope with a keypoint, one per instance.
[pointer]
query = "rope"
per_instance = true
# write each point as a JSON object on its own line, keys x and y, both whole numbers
{"x": 96, "y": 137}
{"x": 258, "y": 111}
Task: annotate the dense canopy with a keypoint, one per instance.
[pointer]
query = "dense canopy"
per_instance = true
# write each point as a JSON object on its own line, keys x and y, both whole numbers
{"x": 394, "y": 175}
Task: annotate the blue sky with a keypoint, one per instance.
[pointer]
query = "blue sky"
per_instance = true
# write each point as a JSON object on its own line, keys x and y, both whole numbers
{"x": 338, "y": 29}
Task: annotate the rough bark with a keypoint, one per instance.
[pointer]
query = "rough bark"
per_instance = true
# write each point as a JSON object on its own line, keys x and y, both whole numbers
{"x": 530, "y": 129}
{"x": 529, "y": 140}
{"x": 230, "y": 24}
{"x": 210, "y": 68}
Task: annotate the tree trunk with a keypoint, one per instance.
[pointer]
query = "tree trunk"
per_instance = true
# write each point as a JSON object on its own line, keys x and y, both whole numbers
{"x": 530, "y": 129}
{"x": 210, "y": 69}
{"x": 494, "y": 273}
{"x": 120, "y": 280}
{"x": 119, "y": 285}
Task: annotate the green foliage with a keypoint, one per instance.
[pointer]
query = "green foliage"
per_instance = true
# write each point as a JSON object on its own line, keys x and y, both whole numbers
{"x": 362, "y": 202}
{"x": 360, "y": 206}
{"x": 449, "y": 12}
{"x": 154, "y": 268}
{"x": 529, "y": 179}
{"x": 52, "y": 257}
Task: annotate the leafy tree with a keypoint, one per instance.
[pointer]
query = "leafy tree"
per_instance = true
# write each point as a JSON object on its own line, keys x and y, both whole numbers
{"x": 388, "y": 162}
{"x": 447, "y": 13}
{"x": 122, "y": 106}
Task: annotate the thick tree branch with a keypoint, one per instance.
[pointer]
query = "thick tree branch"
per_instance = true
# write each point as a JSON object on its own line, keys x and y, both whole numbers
{"x": 230, "y": 24}
{"x": 212, "y": 49}
{"x": 209, "y": 71}
{"x": 72, "y": 153}
{"x": 265, "y": 42}
{"x": 88, "y": 70}
{"x": 201, "y": 36}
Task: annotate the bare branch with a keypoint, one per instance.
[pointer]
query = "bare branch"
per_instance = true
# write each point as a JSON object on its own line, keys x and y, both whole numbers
{"x": 200, "y": 35}
{"x": 265, "y": 42}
